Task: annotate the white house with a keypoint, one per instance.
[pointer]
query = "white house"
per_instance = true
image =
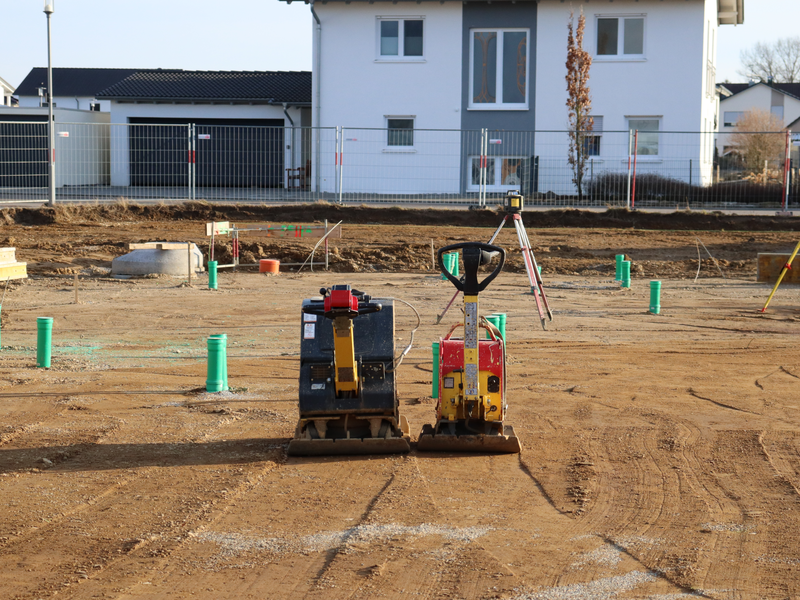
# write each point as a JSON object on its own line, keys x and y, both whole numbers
{"x": 781, "y": 99}
{"x": 414, "y": 83}
{"x": 6, "y": 90}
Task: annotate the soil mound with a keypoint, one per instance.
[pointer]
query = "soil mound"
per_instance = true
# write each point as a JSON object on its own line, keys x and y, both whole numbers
{"x": 303, "y": 213}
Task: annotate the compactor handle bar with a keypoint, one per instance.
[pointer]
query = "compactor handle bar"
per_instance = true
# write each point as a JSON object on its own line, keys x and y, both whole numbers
{"x": 474, "y": 254}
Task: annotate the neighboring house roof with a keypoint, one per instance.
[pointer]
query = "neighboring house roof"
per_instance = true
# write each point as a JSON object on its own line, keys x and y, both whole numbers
{"x": 794, "y": 126}
{"x": 790, "y": 89}
{"x": 78, "y": 82}
{"x": 272, "y": 87}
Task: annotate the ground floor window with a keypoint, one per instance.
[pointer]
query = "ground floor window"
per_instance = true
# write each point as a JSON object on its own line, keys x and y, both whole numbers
{"x": 592, "y": 139}
{"x": 648, "y": 128}
{"x": 400, "y": 132}
{"x": 502, "y": 173}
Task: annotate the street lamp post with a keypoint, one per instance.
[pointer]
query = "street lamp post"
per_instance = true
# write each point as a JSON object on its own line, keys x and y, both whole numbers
{"x": 49, "y": 8}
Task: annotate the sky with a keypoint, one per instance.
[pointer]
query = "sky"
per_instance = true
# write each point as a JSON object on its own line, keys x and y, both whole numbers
{"x": 242, "y": 35}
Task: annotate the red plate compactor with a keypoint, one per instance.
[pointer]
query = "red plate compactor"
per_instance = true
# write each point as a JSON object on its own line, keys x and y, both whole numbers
{"x": 470, "y": 415}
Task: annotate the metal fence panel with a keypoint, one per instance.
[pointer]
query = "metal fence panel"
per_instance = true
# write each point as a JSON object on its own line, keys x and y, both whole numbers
{"x": 697, "y": 170}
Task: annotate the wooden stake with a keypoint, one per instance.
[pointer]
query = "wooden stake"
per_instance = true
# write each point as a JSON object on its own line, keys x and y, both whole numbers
{"x": 433, "y": 257}
{"x": 76, "y": 288}
{"x": 189, "y": 255}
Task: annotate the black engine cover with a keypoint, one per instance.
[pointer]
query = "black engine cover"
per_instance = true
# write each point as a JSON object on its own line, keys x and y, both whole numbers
{"x": 373, "y": 337}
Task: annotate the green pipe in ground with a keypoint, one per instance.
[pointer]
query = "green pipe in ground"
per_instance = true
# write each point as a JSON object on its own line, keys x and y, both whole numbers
{"x": 215, "y": 381}
{"x": 44, "y": 340}
{"x": 224, "y": 337}
{"x": 212, "y": 274}
{"x": 454, "y": 264}
{"x": 502, "y": 325}
{"x": 626, "y": 274}
{"x": 435, "y": 389}
{"x": 447, "y": 259}
{"x": 655, "y": 297}
{"x": 618, "y": 272}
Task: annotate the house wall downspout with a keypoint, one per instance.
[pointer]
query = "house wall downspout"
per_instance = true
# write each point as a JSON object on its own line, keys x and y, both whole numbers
{"x": 317, "y": 92}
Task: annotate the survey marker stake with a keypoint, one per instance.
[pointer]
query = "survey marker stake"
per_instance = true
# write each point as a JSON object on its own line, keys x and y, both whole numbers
{"x": 785, "y": 268}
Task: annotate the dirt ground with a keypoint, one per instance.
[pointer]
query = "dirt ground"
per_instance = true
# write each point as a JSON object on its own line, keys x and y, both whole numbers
{"x": 661, "y": 453}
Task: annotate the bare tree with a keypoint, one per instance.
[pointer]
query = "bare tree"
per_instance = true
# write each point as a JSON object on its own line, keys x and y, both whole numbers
{"x": 759, "y": 137}
{"x": 778, "y": 62}
{"x": 579, "y": 101}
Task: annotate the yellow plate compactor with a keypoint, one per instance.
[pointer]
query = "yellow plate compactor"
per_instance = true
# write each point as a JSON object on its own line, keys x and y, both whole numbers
{"x": 348, "y": 392}
{"x": 470, "y": 415}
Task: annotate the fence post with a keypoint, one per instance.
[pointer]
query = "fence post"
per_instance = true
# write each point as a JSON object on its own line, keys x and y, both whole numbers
{"x": 786, "y": 165}
{"x": 485, "y": 163}
{"x": 341, "y": 167}
{"x": 630, "y": 141}
{"x": 635, "y": 160}
{"x": 189, "y": 161}
{"x": 690, "y": 173}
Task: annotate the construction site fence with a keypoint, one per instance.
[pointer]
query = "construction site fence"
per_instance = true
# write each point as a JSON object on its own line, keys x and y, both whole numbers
{"x": 403, "y": 165}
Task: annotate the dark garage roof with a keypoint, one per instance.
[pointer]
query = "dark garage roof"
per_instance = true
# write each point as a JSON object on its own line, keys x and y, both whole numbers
{"x": 293, "y": 87}
{"x": 72, "y": 81}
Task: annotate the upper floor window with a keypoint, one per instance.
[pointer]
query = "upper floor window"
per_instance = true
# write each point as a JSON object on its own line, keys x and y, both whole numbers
{"x": 620, "y": 36}
{"x": 400, "y": 38}
{"x": 498, "y": 69}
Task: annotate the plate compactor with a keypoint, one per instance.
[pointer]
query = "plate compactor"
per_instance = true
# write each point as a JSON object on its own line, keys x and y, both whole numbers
{"x": 472, "y": 372}
{"x": 348, "y": 392}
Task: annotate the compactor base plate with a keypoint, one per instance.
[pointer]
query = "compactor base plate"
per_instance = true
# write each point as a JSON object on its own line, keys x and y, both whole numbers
{"x": 508, "y": 443}
{"x": 395, "y": 441}
{"x": 326, "y": 447}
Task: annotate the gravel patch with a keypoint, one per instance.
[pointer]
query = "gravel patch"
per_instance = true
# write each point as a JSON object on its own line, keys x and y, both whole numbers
{"x": 727, "y": 527}
{"x": 600, "y": 589}
{"x": 234, "y": 543}
{"x": 608, "y": 556}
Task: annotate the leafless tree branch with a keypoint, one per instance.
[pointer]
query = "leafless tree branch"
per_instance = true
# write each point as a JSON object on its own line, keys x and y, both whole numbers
{"x": 778, "y": 61}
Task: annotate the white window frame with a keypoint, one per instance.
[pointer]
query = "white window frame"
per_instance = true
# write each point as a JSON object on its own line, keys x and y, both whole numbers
{"x": 498, "y": 162}
{"x": 400, "y": 149}
{"x": 726, "y": 122}
{"x": 597, "y": 120}
{"x": 499, "y": 69}
{"x": 646, "y": 157}
{"x": 400, "y": 39}
{"x": 620, "y": 56}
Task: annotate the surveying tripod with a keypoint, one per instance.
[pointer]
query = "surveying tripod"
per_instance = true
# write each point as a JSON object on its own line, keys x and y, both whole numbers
{"x": 514, "y": 203}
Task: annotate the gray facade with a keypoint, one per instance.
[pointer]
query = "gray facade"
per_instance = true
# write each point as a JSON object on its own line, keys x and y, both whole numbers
{"x": 499, "y": 14}
{"x": 479, "y": 15}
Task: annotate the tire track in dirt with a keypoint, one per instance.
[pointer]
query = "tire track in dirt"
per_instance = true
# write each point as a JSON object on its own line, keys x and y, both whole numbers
{"x": 300, "y": 561}
{"x": 726, "y": 548}
{"x": 401, "y": 563}
{"x": 630, "y": 458}
{"x": 65, "y": 535}
{"x": 152, "y": 557}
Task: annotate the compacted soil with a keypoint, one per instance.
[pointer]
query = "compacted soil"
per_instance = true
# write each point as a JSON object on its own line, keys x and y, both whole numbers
{"x": 661, "y": 453}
